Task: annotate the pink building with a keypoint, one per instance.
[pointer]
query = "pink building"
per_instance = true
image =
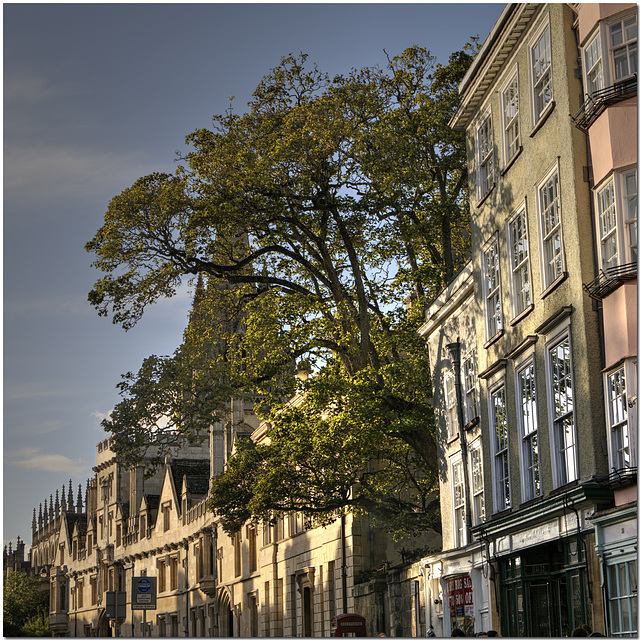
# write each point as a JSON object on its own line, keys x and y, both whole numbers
{"x": 607, "y": 35}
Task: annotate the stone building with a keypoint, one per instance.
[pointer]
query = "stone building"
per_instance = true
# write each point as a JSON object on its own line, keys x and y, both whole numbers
{"x": 282, "y": 580}
{"x": 551, "y": 516}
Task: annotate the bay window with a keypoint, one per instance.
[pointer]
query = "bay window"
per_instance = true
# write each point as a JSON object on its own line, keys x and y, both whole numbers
{"x": 623, "y": 43}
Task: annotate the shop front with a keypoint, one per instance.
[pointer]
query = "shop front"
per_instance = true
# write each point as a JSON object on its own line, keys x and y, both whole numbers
{"x": 545, "y": 590}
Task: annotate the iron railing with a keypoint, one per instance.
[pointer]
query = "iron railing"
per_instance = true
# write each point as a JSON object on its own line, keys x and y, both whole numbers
{"x": 609, "y": 280}
{"x": 596, "y": 102}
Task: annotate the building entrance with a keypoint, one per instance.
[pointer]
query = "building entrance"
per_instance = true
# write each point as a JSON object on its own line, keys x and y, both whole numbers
{"x": 545, "y": 591}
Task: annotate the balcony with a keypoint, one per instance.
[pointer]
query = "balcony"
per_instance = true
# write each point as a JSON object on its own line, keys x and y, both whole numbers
{"x": 608, "y": 281}
{"x": 598, "y": 101}
{"x": 623, "y": 477}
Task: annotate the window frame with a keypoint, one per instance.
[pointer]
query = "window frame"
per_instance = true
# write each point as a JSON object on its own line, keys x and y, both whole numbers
{"x": 628, "y": 368}
{"x": 492, "y": 295}
{"x": 519, "y": 304}
{"x": 476, "y": 472}
{"x": 559, "y": 458}
{"x": 538, "y": 112}
{"x": 451, "y": 417}
{"x": 529, "y": 439}
{"x": 624, "y": 44}
{"x": 485, "y": 162}
{"x": 470, "y": 385}
{"x": 510, "y": 147}
{"x": 502, "y": 498}
{"x": 547, "y": 259}
{"x": 458, "y": 502}
{"x": 622, "y": 218}
{"x": 617, "y": 600}
{"x": 589, "y": 67}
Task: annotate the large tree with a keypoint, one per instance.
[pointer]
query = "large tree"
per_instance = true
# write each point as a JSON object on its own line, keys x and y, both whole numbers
{"x": 25, "y": 606}
{"x": 323, "y": 219}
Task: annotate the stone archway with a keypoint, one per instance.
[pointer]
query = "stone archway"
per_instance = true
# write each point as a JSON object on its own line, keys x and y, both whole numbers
{"x": 225, "y": 627}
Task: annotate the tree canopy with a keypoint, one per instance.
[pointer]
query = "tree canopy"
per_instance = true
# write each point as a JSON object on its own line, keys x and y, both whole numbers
{"x": 25, "y": 607}
{"x": 322, "y": 219}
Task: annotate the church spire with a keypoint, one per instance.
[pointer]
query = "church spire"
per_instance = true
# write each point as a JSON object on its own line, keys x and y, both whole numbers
{"x": 70, "y": 498}
{"x": 63, "y": 503}
{"x": 79, "y": 499}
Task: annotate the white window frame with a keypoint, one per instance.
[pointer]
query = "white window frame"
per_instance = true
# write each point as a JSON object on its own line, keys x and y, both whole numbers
{"x": 541, "y": 72}
{"x": 470, "y": 379}
{"x": 561, "y": 407}
{"x": 484, "y": 154}
{"x": 549, "y": 204}
{"x": 501, "y": 468}
{"x": 608, "y": 242}
{"x": 622, "y": 573}
{"x": 619, "y": 387}
{"x": 628, "y": 45}
{"x": 593, "y": 65}
{"x": 510, "y": 117}
{"x": 492, "y": 288}
{"x": 630, "y": 213}
{"x": 476, "y": 475}
{"x": 528, "y": 429}
{"x": 520, "y": 262}
{"x": 458, "y": 502}
{"x": 616, "y": 201}
{"x": 450, "y": 405}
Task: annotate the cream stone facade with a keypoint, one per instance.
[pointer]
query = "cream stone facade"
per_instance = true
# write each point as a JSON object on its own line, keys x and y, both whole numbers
{"x": 283, "y": 580}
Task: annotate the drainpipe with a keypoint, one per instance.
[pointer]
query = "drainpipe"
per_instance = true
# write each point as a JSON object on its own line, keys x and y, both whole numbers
{"x": 454, "y": 354}
{"x": 344, "y": 562}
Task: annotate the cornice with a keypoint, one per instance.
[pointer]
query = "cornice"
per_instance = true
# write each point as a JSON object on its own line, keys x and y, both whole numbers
{"x": 489, "y": 61}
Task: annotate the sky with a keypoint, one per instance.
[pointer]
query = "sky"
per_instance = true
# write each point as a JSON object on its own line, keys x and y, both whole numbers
{"x": 96, "y": 96}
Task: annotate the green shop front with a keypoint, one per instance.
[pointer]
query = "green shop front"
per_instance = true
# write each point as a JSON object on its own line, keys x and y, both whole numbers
{"x": 546, "y": 573}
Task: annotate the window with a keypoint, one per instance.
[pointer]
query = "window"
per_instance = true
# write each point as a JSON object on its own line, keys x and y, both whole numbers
{"x": 540, "y": 58}
{"x": 93, "y": 582}
{"x": 173, "y": 575}
{"x": 484, "y": 142}
{"x": 528, "y": 422}
{"x": 253, "y": 550}
{"x": 561, "y": 407}
{"x": 118, "y": 535}
{"x": 607, "y": 227}
{"x": 510, "y": 101}
{"x": 520, "y": 271}
{"x": 623, "y": 42}
{"x": 493, "y": 306}
{"x": 469, "y": 372}
{"x": 477, "y": 485}
{"x": 450, "y": 402}
{"x": 237, "y": 554}
{"x": 80, "y": 594}
{"x": 630, "y": 201}
{"x": 162, "y": 576}
{"x": 143, "y": 526}
{"x": 620, "y": 385}
{"x": 622, "y": 582}
{"x": 458, "y": 504}
{"x": 500, "y": 449}
{"x": 166, "y": 509}
{"x": 593, "y": 66}
{"x": 89, "y": 544}
{"x": 549, "y": 208}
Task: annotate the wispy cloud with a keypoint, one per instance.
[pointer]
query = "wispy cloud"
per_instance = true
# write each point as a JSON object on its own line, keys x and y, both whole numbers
{"x": 29, "y": 458}
{"x": 33, "y": 390}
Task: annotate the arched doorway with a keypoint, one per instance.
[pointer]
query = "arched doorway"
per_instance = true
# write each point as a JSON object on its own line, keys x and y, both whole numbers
{"x": 225, "y": 626}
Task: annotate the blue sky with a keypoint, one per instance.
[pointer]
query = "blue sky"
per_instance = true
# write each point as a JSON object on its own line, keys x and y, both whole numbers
{"x": 95, "y": 96}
